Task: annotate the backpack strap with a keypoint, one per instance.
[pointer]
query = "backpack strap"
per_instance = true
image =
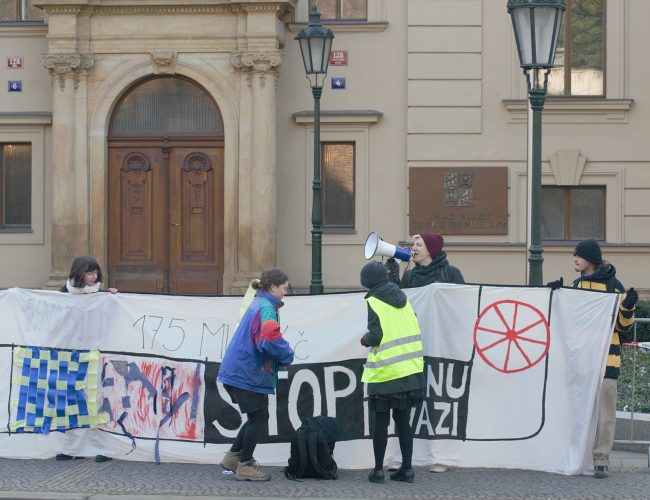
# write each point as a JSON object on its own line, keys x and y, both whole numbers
{"x": 301, "y": 439}
{"x": 316, "y": 437}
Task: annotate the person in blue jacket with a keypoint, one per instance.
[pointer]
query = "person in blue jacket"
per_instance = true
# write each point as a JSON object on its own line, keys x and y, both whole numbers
{"x": 249, "y": 369}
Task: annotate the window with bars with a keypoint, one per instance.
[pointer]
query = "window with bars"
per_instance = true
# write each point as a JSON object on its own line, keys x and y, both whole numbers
{"x": 15, "y": 186}
{"x": 573, "y": 213}
{"x": 20, "y": 10}
{"x": 580, "y": 58}
{"x": 343, "y": 10}
{"x": 337, "y": 186}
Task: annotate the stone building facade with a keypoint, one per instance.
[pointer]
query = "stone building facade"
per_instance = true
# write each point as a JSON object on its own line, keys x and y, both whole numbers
{"x": 202, "y": 201}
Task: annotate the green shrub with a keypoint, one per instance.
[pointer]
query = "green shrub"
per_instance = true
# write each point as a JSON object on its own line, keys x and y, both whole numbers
{"x": 642, "y": 329}
{"x": 641, "y": 382}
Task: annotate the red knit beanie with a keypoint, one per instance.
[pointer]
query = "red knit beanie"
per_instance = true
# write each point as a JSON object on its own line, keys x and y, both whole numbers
{"x": 434, "y": 243}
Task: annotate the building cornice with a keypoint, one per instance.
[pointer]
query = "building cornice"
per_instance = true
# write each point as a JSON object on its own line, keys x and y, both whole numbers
{"x": 23, "y": 30}
{"x": 573, "y": 110}
{"x": 161, "y": 7}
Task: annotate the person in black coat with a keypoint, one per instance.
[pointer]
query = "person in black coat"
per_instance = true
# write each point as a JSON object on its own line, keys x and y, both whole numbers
{"x": 395, "y": 380}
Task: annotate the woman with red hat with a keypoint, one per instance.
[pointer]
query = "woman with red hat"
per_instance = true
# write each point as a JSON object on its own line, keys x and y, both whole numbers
{"x": 431, "y": 264}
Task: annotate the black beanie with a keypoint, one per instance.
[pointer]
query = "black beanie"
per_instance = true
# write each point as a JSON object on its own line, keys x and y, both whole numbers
{"x": 373, "y": 274}
{"x": 590, "y": 251}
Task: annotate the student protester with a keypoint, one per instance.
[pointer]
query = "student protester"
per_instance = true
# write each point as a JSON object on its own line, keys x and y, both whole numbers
{"x": 249, "y": 371}
{"x": 431, "y": 266}
{"x": 85, "y": 277}
{"x": 394, "y": 368}
{"x": 597, "y": 274}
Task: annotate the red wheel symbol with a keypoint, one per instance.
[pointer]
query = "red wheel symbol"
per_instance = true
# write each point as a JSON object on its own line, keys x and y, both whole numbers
{"x": 511, "y": 336}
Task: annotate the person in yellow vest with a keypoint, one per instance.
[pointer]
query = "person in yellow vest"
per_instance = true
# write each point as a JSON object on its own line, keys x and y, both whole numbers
{"x": 596, "y": 274}
{"x": 394, "y": 368}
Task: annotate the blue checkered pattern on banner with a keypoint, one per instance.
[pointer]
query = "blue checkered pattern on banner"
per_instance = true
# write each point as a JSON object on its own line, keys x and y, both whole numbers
{"x": 53, "y": 389}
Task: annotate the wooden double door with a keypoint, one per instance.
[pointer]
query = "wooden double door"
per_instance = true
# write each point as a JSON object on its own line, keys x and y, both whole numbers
{"x": 165, "y": 216}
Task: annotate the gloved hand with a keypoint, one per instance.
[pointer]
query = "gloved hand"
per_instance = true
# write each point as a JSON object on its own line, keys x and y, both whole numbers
{"x": 630, "y": 299}
{"x": 392, "y": 268}
{"x": 554, "y": 285}
{"x": 363, "y": 342}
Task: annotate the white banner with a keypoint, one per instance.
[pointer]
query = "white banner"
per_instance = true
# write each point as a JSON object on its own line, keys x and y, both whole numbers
{"x": 512, "y": 376}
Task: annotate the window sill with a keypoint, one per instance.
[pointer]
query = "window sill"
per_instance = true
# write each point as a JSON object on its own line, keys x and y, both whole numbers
{"x": 573, "y": 110}
{"x": 26, "y": 118}
{"x": 345, "y": 26}
{"x": 340, "y": 117}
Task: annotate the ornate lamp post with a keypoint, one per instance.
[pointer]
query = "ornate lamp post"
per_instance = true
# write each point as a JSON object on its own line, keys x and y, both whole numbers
{"x": 536, "y": 24}
{"x": 315, "y": 44}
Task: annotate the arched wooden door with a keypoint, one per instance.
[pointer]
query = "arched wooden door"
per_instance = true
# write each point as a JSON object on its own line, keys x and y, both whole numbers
{"x": 165, "y": 190}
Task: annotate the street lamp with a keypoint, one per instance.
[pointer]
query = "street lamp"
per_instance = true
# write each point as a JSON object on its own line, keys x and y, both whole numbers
{"x": 536, "y": 24}
{"x": 315, "y": 44}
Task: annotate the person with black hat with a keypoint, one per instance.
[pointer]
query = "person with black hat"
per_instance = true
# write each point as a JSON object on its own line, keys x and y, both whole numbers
{"x": 431, "y": 266}
{"x": 597, "y": 274}
{"x": 394, "y": 370}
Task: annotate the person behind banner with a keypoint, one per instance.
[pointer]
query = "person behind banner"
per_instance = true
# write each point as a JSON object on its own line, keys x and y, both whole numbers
{"x": 249, "y": 371}
{"x": 85, "y": 277}
{"x": 431, "y": 266}
{"x": 394, "y": 368}
{"x": 597, "y": 274}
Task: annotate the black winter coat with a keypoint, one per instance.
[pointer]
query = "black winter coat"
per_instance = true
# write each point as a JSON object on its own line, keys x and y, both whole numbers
{"x": 439, "y": 271}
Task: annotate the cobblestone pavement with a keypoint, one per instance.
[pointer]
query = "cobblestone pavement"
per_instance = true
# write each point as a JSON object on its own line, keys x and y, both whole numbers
{"x": 85, "y": 479}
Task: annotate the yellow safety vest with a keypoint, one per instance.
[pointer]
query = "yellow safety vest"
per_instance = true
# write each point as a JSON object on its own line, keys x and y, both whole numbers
{"x": 400, "y": 352}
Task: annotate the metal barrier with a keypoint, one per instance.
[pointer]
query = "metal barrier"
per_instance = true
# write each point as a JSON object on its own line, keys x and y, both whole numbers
{"x": 631, "y": 411}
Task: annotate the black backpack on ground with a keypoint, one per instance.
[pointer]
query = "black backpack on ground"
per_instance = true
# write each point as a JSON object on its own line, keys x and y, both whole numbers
{"x": 312, "y": 447}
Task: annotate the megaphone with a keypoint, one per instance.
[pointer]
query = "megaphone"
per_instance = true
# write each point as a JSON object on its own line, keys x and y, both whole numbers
{"x": 376, "y": 246}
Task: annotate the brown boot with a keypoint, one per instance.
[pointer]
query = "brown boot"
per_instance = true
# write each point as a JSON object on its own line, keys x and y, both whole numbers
{"x": 230, "y": 461}
{"x": 250, "y": 471}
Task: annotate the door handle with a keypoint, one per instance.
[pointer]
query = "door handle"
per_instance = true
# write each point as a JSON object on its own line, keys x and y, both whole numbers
{"x": 174, "y": 223}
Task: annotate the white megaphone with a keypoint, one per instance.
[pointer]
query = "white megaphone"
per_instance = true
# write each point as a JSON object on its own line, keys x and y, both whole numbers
{"x": 376, "y": 246}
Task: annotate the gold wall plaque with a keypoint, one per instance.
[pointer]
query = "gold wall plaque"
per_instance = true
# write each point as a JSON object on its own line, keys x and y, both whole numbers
{"x": 471, "y": 200}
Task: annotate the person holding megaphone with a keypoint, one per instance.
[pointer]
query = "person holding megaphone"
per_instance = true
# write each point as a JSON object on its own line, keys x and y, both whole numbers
{"x": 431, "y": 264}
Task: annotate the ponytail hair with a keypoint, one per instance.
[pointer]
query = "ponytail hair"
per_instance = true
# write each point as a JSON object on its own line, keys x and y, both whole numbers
{"x": 272, "y": 276}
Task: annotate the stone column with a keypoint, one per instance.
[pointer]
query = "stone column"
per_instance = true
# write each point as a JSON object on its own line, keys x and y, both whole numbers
{"x": 70, "y": 189}
{"x": 258, "y": 230}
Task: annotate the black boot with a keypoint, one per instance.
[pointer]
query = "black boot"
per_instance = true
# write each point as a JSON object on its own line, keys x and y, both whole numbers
{"x": 404, "y": 475}
{"x": 376, "y": 476}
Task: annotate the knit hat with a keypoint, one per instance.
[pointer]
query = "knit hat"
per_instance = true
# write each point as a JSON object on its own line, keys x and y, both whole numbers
{"x": 590, "y": 251}
{"x": 434, "y": 243}
{"x": 373, "y": 274}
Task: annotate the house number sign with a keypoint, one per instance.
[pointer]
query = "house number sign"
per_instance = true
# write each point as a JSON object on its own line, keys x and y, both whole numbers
{"x": 15, "y": 62}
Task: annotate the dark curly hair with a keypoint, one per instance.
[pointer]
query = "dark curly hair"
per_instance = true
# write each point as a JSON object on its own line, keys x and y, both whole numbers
{"x": 81, "y": 266}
